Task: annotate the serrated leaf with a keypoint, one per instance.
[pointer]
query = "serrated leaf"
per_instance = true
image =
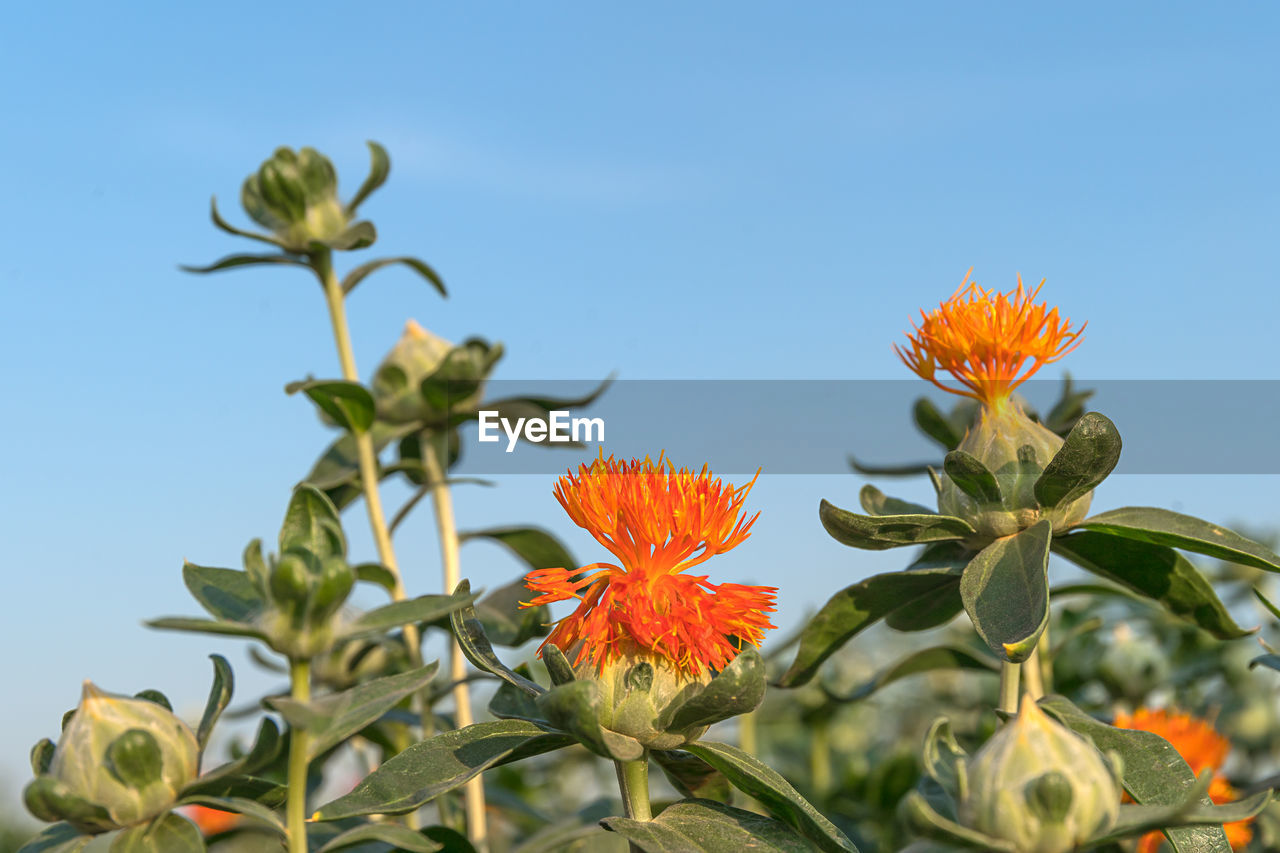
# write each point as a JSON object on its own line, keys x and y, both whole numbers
{"x": 1155, "y": 571}
{"x": 931, "y": 659}
{"x": 333, "y": 718}
{"x": 1175, "y": 530}
{"x": 428, "y": 769}
{"x": 1005, "y": 590}
{"x": 349, "y": 404}
{"x": 705, "y": 826}
{"x": 876, "y": 533}
{"x": 1088, "y": 455}
{"x": 219, "y": 698}
{"x": 856, "y": 608}
{"x": 358, "y": 274}
{"x": 774, "y": 793}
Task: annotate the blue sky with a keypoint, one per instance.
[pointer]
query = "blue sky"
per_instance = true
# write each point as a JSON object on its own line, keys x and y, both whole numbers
{"x": 733, "y": 191}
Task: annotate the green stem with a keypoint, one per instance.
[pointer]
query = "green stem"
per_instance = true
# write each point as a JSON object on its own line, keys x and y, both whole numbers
{"x": 633, "y": 782}
{"x": 1034, "y": 673}
{"x": 1045, "y": 652}
{"x": 296, "y": 809}
{"x": 820, "y": 759}
{"x": 1009, "y": 673}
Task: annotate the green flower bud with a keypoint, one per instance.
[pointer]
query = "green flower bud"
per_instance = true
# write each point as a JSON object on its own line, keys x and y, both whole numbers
{"x": 1015, "y": 449}
{"x": 415, "y": 356}
{"x": 120, "y": 761}
{"x": 305, "y": 594}
{"x": 295, "y": 196}
{"x": 635, "y": 689}
{"x": 1040, "y": 786}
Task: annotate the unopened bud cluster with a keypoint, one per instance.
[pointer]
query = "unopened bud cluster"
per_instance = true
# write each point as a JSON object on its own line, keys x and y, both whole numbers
{"x": 295, "y": 196}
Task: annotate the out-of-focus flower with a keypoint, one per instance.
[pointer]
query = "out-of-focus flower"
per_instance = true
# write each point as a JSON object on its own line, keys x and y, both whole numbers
{"x": 1203, "y": 749}
{"x": 660, "y": 523}
{"x": 211, "y": 821}
{"x": 1039, "y": 785}
{"x": 119, "y": 761}
{"x": 990, "y": 342}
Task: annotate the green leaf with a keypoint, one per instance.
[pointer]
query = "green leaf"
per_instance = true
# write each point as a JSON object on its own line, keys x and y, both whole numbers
{"x": 429, "y": 768}
{"x": 936, "y": 425}
{"x": 477, "y": 649}
{"x": 358, "y": 235}
{"x": 424, "y": 608}
{"x": 856, "y": 608}
{"x": 231, "y": 229}
{"x": 332, "y": 719}
{"x": 511, "y": 703}
{"x": 379, "y": 169}
{"x": 535, "y": 546}
{"x": 736, "y": 689}
{"x": 1006, "y": 591}
{"x": 255, "y": 811}
{"x": 376, "y": 573}
{"x": 1155, "y": 571}
{"x": 359, "y": 274}
{"x": 506, "y": 622}
{"x": 1136, "y": 820}
{"x": 876, "y": 533}
{"x": 399, "y": 837}
{"x": 925, "y": 820}
{"x": 168, "y": 833}
{"x": 558, "y": 666}
{"x": 944, "y": 604}
{"x": 349, "y": 404}
{"x": 1069, "y": 409}
{"x": 205, "y": 626}
{"x": 692, "y": 776}
{"x": 538, "y": 406}
{"x": 227, "y": 594}
{"x": 972, "y": 477}
{"x": 311, "y": 523}
{"x": 1153, "y": 773}
{"x": 926, "y": 660}
{"x": 266, "y": 748}
{"x": 219, "y": 698}
{"x": 774, "y": 793}
{"x": 42, "y": 756}
{"x": 575, "y": 708}
{"x": 58, "y": 838}
{"x": 1172, "y": 529}
{"x": 1088, "y": 455}
{"x": 705, "y": 826}
{"x": 910, "y": 469}
{"x": 49, "y": 799}
{"x": 233, "y": 261}
{"x": 876, "y": 502}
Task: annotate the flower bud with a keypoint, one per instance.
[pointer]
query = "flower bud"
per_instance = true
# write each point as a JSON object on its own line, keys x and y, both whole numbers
{"x": 415, "y": 356}
{"x": 634, "y": 690}
{"x": 295, "y": 196}
{"x": 1040, "y": 786}
{"x": 120, "y": 761}
{"x": 1016, "y": 450}
{"x": 305, "y": 592}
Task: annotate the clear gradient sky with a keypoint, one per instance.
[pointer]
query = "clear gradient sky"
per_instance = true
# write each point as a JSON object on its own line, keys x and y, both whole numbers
{"x": 667, "y": 190}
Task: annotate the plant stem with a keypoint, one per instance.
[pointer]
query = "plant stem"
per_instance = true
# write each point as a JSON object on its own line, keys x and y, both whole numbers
{"x": 820, "y": 760}
{"x": 442, "y": 500}
{"x": 1045, "y": 651}
{"x": 633, "y": 782}
{"x": 1034, "y": 671}
{"x": 296, "y": 811}
{"x": 1009, "y": 673}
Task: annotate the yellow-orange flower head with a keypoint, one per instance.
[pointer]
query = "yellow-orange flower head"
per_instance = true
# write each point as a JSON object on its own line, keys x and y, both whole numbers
{"x": 1203, "y": 749}
{"x": 659, "y": 522}
{"x": 990, "y": 342}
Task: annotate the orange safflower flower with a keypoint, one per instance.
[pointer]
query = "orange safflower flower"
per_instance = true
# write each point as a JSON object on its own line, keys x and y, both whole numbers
{"x": 659, "y": 522}
{"x": 1203, "y": 749}
{"x": 211, "y": 821}
{"x": 990, "y": 342}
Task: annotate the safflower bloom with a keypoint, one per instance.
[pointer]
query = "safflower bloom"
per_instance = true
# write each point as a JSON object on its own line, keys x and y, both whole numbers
{"x": 211, "y": 821}
{"x": 659, "y": 523}
{"x": 990, "y": 342}
{"x": 1203, "y": 749}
